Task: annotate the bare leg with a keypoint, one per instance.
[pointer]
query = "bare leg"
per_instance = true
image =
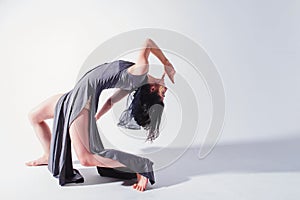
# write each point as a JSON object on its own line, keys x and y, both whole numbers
{"x": 79, "y": 138}
{"x": 80, "y": 142}
{"x": 37, "y": 117}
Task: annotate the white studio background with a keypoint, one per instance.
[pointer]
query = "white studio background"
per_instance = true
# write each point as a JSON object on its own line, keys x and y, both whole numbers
{"x": 254, "y": 44}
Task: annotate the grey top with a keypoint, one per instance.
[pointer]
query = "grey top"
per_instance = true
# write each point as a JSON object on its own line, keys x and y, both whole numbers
{"x": 92, "y": 83}
{"x": 107, "y": 75}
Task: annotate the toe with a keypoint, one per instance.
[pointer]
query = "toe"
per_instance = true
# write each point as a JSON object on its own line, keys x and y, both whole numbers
{"x": 30, "y": 163}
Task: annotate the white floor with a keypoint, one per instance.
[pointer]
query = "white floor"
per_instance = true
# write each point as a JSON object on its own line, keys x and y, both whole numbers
{"x": 254, "y": 45}
{"x": 254, "y": 170}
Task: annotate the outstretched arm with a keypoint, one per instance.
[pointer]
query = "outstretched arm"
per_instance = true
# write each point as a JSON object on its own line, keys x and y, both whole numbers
{"x": 142, "y": 62}
{"x": 117, "y": 96}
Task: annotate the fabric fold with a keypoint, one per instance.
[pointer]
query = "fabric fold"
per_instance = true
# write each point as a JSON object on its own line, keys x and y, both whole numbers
{"x": 68, "y": 107}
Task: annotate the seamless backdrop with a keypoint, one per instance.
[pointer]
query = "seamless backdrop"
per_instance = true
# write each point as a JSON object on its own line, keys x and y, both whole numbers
{"x": 254, "y": 44}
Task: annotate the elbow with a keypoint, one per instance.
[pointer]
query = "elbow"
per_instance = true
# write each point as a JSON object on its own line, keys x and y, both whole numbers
{"x": 109, "y": 102}
{"x": 148, "y": 41}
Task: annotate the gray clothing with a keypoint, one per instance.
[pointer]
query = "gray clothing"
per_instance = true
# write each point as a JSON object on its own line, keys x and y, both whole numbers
{"x": 89, "y": 87}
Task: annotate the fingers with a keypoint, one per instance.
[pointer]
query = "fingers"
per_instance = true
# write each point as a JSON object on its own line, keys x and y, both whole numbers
{"x": 97, "y": 117}
{"x": 171, "y": 76}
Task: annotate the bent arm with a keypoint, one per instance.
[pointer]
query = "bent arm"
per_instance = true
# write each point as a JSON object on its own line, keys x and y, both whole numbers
{"x": 117, "y": 96}
{"x": 151, "y": 46}
{"x": 142, "y": 65}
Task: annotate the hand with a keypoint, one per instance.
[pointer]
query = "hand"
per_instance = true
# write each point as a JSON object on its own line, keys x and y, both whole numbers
{"x": 97, "y": 116}
{"x": 169, "y": 69}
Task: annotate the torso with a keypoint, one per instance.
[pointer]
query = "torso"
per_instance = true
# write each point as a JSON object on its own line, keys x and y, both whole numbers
{"x": 137, "y": 69}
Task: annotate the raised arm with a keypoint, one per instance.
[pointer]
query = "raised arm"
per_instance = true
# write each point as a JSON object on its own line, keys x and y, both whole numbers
{"x": 117, "y": 96}
{"x": 142, "y": 65}
{"x": 151, "y": 46}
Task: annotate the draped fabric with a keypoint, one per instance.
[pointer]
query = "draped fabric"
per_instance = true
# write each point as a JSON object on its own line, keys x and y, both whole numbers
{"x": 68, "y": 107}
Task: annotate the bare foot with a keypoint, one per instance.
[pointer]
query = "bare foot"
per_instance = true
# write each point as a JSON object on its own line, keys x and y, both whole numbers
{"x": 38, "y": 162}
{"x": 141, "y": 184}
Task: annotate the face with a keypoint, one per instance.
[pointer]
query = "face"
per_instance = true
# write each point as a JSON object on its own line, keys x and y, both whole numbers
{"x": 160, "y": 89}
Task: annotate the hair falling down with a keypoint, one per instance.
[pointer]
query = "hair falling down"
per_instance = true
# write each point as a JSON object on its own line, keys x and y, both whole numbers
{"x": 144, "y": 109}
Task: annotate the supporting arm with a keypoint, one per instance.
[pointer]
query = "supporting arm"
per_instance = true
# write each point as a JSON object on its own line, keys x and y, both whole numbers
{"x": 117, "y": 96}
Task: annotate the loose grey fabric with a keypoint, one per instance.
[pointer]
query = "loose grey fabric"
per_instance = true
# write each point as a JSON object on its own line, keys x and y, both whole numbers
{"x": 104, "y": 76}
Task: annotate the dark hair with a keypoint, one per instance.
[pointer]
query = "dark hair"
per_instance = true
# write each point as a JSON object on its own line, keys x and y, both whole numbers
{"x": 147, "y": 108}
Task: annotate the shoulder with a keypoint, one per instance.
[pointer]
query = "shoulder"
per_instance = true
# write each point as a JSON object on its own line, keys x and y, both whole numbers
{"x": 125, "y": 62}
{"x": 138, "y": 68}
{"x": 133, "y": 69}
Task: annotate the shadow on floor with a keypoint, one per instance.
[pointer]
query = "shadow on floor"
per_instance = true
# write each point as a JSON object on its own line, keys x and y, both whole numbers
{"x": 281, "y": 155}
{"x": 91, "y": 177}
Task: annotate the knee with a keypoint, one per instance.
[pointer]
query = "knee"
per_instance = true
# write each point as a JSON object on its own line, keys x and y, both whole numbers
{"x": 86, "y": 161}
{"x": 33, "y": 117}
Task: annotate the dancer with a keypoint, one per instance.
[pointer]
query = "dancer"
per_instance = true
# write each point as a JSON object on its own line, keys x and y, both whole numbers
{"x": 75, "y": 114}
